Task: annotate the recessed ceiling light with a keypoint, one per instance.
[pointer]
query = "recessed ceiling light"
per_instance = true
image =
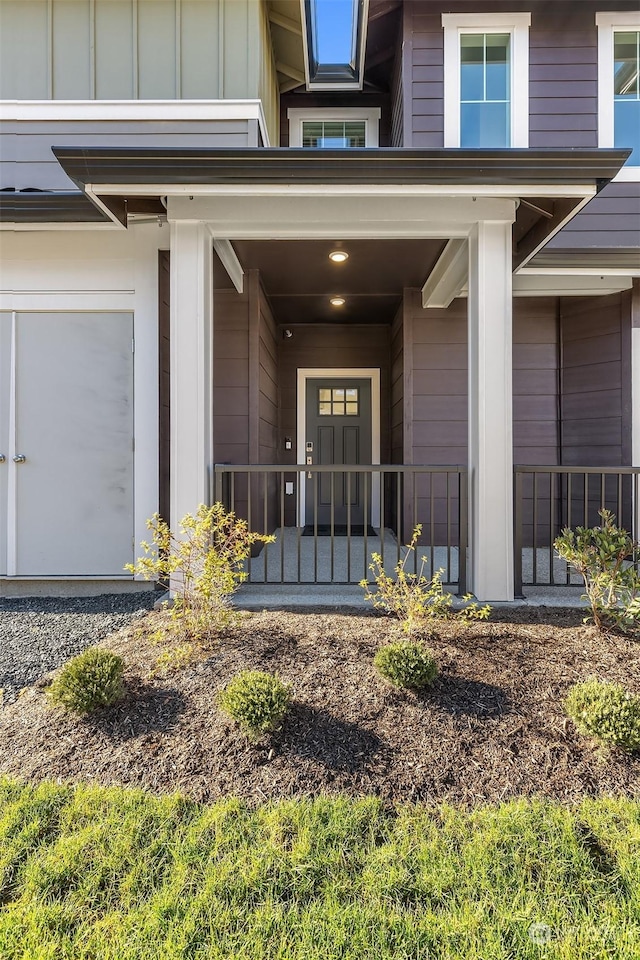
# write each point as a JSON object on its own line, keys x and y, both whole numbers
{"x": 337, "y": 301}
{"x": 338, "y": 256}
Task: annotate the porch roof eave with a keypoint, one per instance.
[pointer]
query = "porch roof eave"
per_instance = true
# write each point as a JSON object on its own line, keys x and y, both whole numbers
{"x": 195, "y": 166}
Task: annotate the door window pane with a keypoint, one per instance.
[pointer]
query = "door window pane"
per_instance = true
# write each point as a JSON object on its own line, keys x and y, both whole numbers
{"x": 626, "y": 87}
{"x": 485, "y": 100}
{"x": 331, "y": 402}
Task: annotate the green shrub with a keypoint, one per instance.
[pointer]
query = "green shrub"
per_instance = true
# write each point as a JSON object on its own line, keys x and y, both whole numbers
{"x": 203, "y": 565}
{"x": 601, "y": 556}
{"x": 406, "y": 664}
{"x": 257, "y": 701}
{"x": 606, "y": 711}
{"x": 90, "y": 680}
{"x": 417, "y": 601}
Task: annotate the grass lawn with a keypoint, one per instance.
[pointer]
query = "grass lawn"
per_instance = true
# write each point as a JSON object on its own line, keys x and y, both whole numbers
{"x": 114, "y": 874}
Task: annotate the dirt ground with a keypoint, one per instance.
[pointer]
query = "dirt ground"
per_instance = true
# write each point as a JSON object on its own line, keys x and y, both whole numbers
{"x": 491, "y": 728}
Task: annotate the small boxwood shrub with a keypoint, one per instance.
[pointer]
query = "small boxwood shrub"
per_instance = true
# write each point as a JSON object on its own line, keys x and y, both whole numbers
{"x": 90, "y": 680}
{"x": 257, "y": 701}
{"x": 606, "y": 711}
{"x": 406, "y": 664}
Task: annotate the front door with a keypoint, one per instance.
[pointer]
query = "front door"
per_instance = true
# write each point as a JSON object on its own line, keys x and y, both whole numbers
{"x": 338, "y": 431}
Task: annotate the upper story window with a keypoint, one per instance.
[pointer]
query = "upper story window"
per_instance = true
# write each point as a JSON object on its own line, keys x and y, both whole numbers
{"x": 486, "y": 80}
{"x": 619, "y": 86}
{"x": 333, "y": 127}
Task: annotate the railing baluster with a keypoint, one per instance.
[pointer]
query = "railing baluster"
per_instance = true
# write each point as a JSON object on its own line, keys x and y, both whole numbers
{"x": 448, "y": 530}
{"x": 315, "y": 527}
{"x": 349, "y": 525}
{"x": 366, "y": 523}
{"x": 249, "y": 519}
{"x": 432, "y": 526}
{"x": 415, "y": 520}
{"x": 382, "y": 480}
{"x": 265, "y": 525}
{"x": 535, "y": 528}
{"x": 463, "y": 528}
{"x": 399, "y": 516}
{"x": 552, "y": 477}
{"x": 332, "y": 512}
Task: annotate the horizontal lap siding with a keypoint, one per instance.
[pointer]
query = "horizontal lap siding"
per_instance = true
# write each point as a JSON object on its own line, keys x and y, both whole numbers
{"x": 26, "y": 159}
{"x": 595, "y": 381}
{"x": 612, "y": 219}
{"x": 397, "y": 389}
{"x": 439, "y": 378}
{"x": 426, "y": 77}
{"x": 231, "y": 377}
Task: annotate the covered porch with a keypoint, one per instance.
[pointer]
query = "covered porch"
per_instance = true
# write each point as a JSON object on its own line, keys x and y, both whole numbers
{"x": 462, "y": 344}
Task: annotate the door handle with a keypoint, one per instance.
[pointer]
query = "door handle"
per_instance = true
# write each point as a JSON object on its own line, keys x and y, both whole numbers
{"x": 19, "y": 458}
{"x": 2, "y": 458}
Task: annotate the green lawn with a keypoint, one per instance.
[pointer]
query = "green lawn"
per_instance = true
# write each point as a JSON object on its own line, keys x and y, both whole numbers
{"x": 89, "y": 872}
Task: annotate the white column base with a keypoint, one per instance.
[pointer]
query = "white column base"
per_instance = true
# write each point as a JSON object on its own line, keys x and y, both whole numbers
{"x": 490, "y": 412}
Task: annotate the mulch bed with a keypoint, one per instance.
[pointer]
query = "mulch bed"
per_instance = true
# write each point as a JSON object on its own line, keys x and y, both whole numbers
{"x": 491, "y": 728}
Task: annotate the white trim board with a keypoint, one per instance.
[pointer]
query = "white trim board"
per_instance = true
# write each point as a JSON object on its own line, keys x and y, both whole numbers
{"x": 96, "y": 110}
{"x": 363, "y": 373}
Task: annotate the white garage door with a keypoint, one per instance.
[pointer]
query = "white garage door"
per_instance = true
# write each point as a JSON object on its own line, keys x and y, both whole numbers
{"x": 74, "y": 427}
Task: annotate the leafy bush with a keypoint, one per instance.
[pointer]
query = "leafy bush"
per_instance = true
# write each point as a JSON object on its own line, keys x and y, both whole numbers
{"x": 90, "y": 680}
{"x": 406, "y": 664}
{"x": 257, "y": 701}
{"x": 202, "y": 564}
{"x": 417, "y": 601}
{"x": 606, "y": 711}
{"x": 601, "y": 556}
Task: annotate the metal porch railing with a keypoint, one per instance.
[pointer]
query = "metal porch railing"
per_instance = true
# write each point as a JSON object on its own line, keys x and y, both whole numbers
{"x": 548, "y": 499}
{"x": 364, "y": 509}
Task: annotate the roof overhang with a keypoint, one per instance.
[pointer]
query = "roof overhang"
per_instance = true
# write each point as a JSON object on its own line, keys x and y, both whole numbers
{"x": 549, "y": 186}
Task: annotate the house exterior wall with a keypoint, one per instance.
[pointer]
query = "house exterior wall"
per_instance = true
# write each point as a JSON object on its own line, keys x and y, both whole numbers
{"x": 596, "y": 381}
{"x": 121, "y": 49}
{"x": 563, "y": 105}
{"x": 97, "y": 274}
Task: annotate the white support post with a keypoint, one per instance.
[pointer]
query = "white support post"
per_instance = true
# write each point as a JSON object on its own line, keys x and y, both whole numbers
{"x": 191, "y": 366}
{"x": 490, "y": 412}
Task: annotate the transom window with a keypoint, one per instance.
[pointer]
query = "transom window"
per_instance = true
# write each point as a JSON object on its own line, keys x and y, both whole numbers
{"x": 338, "y": 401}
{"x": 333, "y": 127}
{"x": 485, "y": 90}
{"x": 486, "y": 80}
{"x": 619, "y": 86}
{"x": 626, "y": 93}
{"x": 333, "y": 133}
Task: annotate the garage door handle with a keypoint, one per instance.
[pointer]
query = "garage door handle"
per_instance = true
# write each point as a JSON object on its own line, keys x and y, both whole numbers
{"x": 19, "y": 458}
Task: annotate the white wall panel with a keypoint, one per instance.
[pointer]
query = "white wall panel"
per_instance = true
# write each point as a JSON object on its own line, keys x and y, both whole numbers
{"x": 74, "y": 425}
{"x": 5, "y": 384}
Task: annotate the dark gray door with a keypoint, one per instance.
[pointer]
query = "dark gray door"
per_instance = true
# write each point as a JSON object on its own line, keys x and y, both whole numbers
{"x": 339, "y": 431}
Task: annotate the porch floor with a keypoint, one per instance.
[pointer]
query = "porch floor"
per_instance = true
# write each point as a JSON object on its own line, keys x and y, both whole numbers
{"x": 294, "y": 559}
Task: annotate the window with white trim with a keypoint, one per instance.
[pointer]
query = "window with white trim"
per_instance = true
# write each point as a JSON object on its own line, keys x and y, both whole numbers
{"x": 333, "y": 128}
{"x": 619, "y": 86}
{"x": 486, "y": 79}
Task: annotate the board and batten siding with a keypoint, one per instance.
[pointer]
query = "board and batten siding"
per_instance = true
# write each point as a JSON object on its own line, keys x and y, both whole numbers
{"x": 137, "y": 50}
{"x": 563, "y": 104}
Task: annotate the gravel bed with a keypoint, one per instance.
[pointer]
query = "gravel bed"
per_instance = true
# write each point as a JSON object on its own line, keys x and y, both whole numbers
{"x": 38, "y": 634}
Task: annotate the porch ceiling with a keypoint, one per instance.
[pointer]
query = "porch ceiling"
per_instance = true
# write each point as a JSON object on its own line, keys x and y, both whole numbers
{"x": 299, "y": 278}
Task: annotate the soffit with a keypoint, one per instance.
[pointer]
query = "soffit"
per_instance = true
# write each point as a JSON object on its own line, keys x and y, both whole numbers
{"x": 299, "y": 278}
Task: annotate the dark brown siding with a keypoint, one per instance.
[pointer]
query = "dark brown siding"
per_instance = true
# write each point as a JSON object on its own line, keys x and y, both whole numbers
{"x": 397, "y": 389}
{"x": 595, "y": 402}
{"x": 231, "y": 377}
{"x": 439, "y": 365}
{"x": 423, "y": 22}
{"x": 612, "y": 219}
{"x": 164, "y": 386}
{"x": 397, "y": 115}
{"x": 268, "y": 384}
{"x": 363, "y": 100}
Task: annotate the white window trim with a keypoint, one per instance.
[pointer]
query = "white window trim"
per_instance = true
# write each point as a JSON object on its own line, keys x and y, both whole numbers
{"x": 517, "y": 26}
{"x": 608, "y": 24}
{"x": 371, "y": 116}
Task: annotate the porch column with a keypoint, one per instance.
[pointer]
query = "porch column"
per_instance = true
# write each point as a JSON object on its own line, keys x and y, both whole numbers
{"x": 191, "y": 325}
{"x": 490, "y": 412}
